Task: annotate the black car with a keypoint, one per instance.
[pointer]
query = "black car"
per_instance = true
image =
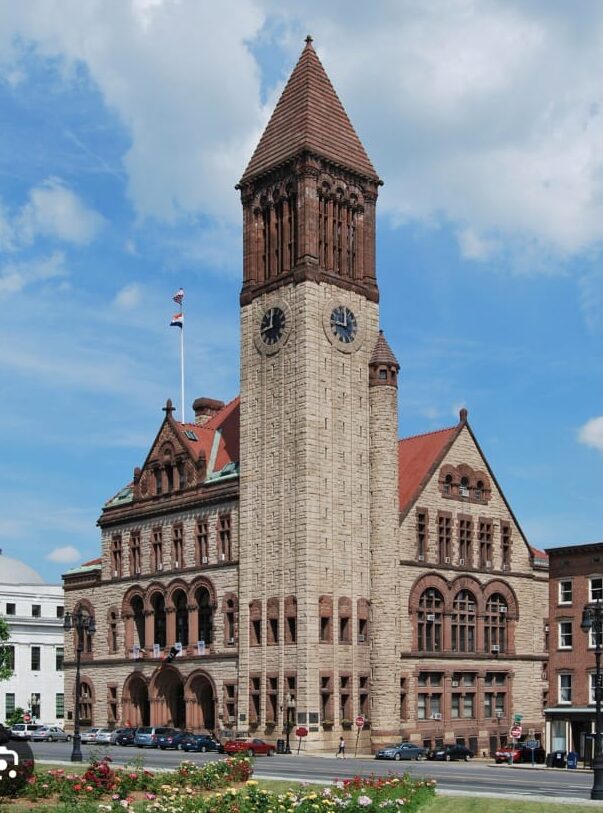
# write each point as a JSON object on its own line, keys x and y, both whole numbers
{"x": 202, "y": 743}
{"x": 171, "y": 738}
{"x": 450, "y": 752}
{"x": 126, "y": 737}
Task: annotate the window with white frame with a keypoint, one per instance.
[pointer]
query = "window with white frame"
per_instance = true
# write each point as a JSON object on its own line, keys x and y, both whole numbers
{"x": 592, "y": 685}
{"x": 565, "y": 592}
{"x": 596, "y": 589}
{"x": 565, "y": 688}
{"x": 565, "y": 635}
{"x": 592, "y": 638}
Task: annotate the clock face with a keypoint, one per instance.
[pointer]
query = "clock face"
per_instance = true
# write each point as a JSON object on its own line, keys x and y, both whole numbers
{"x": 272, "y": 326}
{"x": 343, "y": 324}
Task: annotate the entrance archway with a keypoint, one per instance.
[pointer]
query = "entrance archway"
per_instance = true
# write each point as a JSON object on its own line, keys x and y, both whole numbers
{"x": 200, "y": 703}
{"x": 167, "y": 698}
{"x": 136, "y": 709}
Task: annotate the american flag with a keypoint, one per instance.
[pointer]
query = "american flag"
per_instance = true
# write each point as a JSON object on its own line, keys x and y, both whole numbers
{"x": 179, "y": 296}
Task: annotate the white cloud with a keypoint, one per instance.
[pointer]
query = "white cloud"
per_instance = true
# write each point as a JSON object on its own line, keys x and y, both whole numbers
{"x": 129, "y": 297}
{"x": 475, "y": 247}
{"x": 591, "y": 434}
{"x": 65, "y": 555}
{"x": 16, "y": 276}
{"x": 56, "y": 211}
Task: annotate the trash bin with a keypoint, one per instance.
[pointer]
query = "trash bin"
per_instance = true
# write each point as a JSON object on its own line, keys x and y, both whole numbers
{"x": 280, "y": 746}
{"x": 572, "y": 759}
{"x": 558, "y": 759}
{"x": 549, "y": 760}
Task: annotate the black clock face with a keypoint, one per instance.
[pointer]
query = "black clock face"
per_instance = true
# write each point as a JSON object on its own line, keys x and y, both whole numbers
{"x": 273, "y": 324}
{"x": 344, "y": 324}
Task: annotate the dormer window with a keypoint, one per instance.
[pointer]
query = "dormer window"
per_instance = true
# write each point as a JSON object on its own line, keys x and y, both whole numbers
{"x": 464, "y": 487}
{"x": 479, "y": 490}
{"x": 448, "y": 484}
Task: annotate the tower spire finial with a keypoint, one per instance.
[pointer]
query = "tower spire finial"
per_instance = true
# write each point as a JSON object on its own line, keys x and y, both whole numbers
{"x": 309, "y": 39}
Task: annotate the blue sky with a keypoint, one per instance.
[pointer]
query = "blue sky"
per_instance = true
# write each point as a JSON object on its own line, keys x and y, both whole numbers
{"x": 126, "y": 125}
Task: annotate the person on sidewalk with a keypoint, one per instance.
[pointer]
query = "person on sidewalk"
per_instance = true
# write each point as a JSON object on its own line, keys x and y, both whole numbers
{"x": 341, "y": 748}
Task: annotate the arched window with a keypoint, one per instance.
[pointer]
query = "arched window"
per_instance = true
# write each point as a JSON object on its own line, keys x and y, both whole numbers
{"x": 429, "y": 620}
{"x": 448, "y": 484}
{"x": 463, "y": 622}
{"x": 181, "y": 609}
{"x": 159, "y": 626}
{"x": 86, "y": 702}
{"x": 479, "y": 490}
{"x": 206, "y": 615}
{"x": 495, "y": 624}
{"x": 137, "y": 607}
{"x": 464, "y": 487}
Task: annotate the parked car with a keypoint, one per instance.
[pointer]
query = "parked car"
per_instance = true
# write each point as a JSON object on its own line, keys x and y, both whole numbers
{"x": 115, "y": 734}
{"x": 103, "y": 736}
{"x": 89, "y": 735}
{"x": 4, "y": 734}
{"x": 23, "y": 731}
{"x": 504, "y": 753}
{"x": 125, "y": 736}
{"x": 450, "y": 752}
{"x": 404, "y": 750}
{"x": 251, "y": 747}
{"x": 50, "y": 733}
{"x": 171, "y": 738}
{"x": 146, "y": 735}
{"x": 202, "y": 743}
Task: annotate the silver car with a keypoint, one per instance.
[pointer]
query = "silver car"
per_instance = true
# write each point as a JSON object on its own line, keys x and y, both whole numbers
{"x": 89, "y": 735}
{"x": 103, "y": 736}
{"x": 50, "y": 733}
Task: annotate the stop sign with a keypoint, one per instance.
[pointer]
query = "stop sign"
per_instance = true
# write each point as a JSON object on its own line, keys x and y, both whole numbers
{"x": 360, "y": 721}
{"x": 516, "y": 732}
{"x": 301, "y": 731}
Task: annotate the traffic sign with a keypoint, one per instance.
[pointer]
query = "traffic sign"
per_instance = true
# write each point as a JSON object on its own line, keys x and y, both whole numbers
{"x": 516, "y": 732}
{"x": 360, "y": 721}
{"x": 301, "y": 732}
{"x": 517, "y": 718}
{"x": 533, "y": 744}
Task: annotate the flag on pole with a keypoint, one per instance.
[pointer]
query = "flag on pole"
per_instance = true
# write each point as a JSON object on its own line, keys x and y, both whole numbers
{"x": 177, "y": 320}
{"x": 179, "y": 296}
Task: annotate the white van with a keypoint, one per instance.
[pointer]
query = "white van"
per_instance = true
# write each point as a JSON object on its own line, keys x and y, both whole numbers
{"x": 22, "y": 731}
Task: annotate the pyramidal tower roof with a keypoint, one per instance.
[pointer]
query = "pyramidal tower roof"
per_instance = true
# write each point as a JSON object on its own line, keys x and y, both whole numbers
{"x": 382, "y": 353}
{"x": 309, "y": 117}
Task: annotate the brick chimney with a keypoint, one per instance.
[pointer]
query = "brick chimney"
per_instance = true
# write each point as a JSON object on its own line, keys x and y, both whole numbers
{"x": 205, "y": 409}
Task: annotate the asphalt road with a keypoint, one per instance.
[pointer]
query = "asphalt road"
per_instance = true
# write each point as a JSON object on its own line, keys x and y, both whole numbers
{"x": 473, "y": 778}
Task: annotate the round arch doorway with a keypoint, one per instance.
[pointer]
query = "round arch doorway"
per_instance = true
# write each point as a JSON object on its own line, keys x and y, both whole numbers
{"x": 135, "y": 702}
{"x": 167, "y": 696}
{"x": 200, "y": 703}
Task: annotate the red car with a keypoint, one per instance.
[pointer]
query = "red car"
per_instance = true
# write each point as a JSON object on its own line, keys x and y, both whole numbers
{"x": 251, "y": 747}
{"x": 503, "y": 754}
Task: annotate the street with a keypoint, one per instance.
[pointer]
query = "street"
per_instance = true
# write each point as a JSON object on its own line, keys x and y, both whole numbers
{"x": 473, "y": 777}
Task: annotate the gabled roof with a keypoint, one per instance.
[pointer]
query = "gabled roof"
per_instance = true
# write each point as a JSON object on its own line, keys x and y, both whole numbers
{"x": 417, "y": 458}
{"x": 309, "y": 117}
{"x": 218, "y": 439}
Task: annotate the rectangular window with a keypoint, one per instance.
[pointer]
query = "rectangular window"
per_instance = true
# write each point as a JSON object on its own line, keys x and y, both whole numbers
{"x": 59, "y": 702}
{"x": 255, "y": 688}
{"x": 135, "y": 555}
{"x": 421, "y": 535}
{"x": 592, "y": 684}
{"x": 565, "y": 635}
{"x": 202, "y": 542}
{"x": 403, "y": 711}
{"x": 36, "y": 610}
{"x": 326, "y": 698}
{"x": 468, "y": 706}
{"x": 59, "y": 658}
{"x": 565, "y": 688}
{"x": 596, "y": 589}
{"x": 422, "y": 706}
{"x": 177, "y": 546}
{"x": 444, "y": 539}
{"x": 465, "y": 537}
{"x": 116, "y": 556}
{"x": 157, "y": 550}
{"x": 35, "y": 659}
{"x": 485, "y": 544}
{"x": 112, "y": 704}
{"x": 60, "y": 611}
{"x": 565, "y": 592}
{"x": 11, "y": 609}
{"x": 455, "y": 706}
{"x": 9, "y": 704}
{"x": 224, "y": 540}
{"x": 505, "y": 543}
{"x": 9, "y": 657}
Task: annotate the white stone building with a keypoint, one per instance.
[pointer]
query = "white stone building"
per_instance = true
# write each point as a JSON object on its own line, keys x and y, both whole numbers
{"x": 34, "y": 612}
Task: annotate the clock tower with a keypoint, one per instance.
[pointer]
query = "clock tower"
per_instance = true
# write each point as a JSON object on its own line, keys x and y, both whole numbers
{"x": 309, "y": 326}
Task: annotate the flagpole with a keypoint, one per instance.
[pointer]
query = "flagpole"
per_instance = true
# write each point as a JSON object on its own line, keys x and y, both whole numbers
{"x": 182, "y": 366}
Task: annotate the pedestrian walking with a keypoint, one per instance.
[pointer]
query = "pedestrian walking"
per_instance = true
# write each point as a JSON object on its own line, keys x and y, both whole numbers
{"x": 341, "y": 748}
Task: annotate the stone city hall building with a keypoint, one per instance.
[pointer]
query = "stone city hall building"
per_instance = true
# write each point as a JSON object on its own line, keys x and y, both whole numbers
{"x": 299, "y": 556}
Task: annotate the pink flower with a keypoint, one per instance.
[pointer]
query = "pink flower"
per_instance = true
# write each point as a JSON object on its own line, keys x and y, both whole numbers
{"x": 364, "y": 801}
{"x": 150, "y": 796}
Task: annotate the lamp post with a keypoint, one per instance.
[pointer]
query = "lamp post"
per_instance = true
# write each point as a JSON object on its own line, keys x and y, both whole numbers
{"x": 290, "y": 706}
{"x": 83, "y": 624}
{"x": 592, "y": 619}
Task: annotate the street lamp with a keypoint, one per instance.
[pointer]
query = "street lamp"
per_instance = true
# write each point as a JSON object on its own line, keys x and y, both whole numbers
{"x": 592, "y": 619}
{"x": 83, "y": 624}
{"x": 290, "y": 706}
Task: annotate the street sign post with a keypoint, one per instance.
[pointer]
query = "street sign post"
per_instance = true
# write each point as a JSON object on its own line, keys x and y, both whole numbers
{"x": 359, "y": 722}
{"x": 301, "y": 732}
{"x": 532, "y": 745}
{"x": 516, "y": 732}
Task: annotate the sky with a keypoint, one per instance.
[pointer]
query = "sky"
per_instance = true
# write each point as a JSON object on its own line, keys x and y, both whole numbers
{"x": 124, "y": 127}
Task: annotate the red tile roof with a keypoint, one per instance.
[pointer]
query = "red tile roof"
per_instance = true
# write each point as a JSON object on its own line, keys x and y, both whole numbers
{"x": 382, "y": 352}
{"x": 309, "y": 117}
{"x": 417, "y": 456}
{"x": 226, "y": 423}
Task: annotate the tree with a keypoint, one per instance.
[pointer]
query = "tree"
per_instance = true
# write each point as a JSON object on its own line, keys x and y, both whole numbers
{"x": 6, "y": 653}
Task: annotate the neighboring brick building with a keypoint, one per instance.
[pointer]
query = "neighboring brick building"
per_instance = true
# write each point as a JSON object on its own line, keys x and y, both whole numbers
{"x": 576, "y": 580}
{"x": 289, "y": 542}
